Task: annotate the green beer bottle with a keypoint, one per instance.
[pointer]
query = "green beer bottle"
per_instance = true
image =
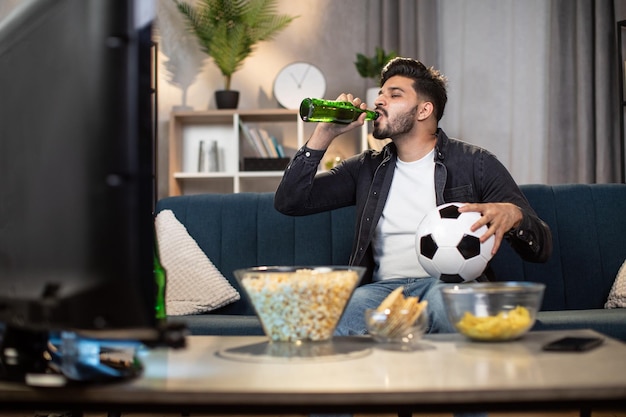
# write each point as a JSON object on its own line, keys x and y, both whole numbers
{"x": 318, "y": 110}
{"x": 160, "y": 279}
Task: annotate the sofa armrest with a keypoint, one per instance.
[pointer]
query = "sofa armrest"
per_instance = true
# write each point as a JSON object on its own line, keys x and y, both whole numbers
{"x": 611, "y": 322}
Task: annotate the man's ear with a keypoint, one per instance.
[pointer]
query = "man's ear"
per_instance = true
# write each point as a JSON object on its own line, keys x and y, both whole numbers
{"x": 424, "y": 110}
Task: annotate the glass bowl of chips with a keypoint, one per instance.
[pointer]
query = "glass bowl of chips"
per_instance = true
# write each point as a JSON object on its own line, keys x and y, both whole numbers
{"x": 297, "y": 303}
{"x": 398, "y": 320}
{"x": 495, "y": 311}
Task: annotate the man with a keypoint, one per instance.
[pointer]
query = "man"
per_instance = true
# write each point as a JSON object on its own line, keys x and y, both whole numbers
{"x": 393, "y": 189}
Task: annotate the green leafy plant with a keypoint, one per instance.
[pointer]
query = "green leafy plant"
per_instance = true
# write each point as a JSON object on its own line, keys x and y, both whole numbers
{"x": 370, "y": 67}
{"x": 228, "y": 30}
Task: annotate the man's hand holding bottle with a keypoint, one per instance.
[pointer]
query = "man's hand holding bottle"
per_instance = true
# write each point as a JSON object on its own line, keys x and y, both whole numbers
{"x": 325, "y": 133}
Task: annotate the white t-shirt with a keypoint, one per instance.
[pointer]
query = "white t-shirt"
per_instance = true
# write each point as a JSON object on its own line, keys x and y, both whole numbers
{"x": 411, "y": 196}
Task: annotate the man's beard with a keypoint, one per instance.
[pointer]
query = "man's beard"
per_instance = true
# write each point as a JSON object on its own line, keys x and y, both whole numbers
{"x": 403, "y": 123}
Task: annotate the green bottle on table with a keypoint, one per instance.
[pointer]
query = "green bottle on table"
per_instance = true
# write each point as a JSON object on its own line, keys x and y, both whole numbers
{"x": 318, "y": 110}
{"x": 160, "y": 279}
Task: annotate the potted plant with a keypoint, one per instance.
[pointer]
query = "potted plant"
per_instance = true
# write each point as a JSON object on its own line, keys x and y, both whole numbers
{"x": 228, "y": 31}
{"x": 370, "y": 68}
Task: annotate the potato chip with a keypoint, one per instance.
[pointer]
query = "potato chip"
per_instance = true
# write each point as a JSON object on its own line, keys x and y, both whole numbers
{"x": 502, "y": 326}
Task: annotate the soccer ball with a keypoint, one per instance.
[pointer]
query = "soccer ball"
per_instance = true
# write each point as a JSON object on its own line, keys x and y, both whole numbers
{"x": 447, "y": 248}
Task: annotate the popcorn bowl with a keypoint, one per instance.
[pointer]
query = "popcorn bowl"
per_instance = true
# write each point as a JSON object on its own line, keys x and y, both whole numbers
{"x": 493, "y": 312}
{"x": 299, "y": 303}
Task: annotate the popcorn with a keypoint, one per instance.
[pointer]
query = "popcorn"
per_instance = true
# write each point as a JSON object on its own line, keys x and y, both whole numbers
{"x": 305, "y": 304}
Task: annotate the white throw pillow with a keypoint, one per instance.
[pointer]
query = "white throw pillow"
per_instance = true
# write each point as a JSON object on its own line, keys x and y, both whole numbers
{"x": 194, "y": 284}
{"x": 617, "y": 295}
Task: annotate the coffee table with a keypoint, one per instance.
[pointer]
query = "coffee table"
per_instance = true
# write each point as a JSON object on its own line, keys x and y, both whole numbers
{"x": 217, "y": 374}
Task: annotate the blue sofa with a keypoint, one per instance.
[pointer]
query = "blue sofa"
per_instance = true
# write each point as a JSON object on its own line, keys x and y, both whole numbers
{"x": 588, "y": 224}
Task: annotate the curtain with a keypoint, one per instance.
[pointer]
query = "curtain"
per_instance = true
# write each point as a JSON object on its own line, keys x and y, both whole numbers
{"x": 533, "y": 81}
{"x": 494, "y": 53}
{"x": 584, "y": 140}
{"x": 408, "y": 27}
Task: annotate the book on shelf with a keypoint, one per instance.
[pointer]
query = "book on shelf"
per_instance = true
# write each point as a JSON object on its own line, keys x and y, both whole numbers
{"x": 279, "y": 147}
{"x": 269, "y": 142}
{"x": 261, "y": 142}
{"x": 253, "y": 142}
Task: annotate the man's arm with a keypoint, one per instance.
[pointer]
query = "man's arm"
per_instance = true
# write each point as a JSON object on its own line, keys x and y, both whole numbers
{"x": 529, "y": 236}
{"x": 508, "y": 215}
{"x": 302, "y": 191}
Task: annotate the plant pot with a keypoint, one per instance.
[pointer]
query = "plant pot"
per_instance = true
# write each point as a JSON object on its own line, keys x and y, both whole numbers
{"x": 227, "y": 99}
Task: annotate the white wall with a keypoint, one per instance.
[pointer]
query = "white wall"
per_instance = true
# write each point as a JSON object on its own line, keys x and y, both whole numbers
{"x": 6, "y": 6}
{"x": 494, "y": 53}
{"x": 483, "y": 65}
{"x": 327, "y": 33}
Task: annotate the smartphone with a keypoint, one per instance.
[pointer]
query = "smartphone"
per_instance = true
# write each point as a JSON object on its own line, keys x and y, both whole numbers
{"x": 573, "y": 344}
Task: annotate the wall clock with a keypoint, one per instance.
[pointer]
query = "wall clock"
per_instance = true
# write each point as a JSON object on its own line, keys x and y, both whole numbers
{"x": 298, "y": 81}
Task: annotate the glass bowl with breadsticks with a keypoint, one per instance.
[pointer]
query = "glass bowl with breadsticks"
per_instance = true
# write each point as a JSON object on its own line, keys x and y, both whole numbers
{"x": 398, "y": 320}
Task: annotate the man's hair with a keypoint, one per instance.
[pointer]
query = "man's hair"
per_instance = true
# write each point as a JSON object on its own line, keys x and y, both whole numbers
{"x": 428, "y": 83}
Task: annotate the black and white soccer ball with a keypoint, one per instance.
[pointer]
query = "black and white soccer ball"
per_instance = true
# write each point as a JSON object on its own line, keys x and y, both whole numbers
{"x": 448, "y": 249}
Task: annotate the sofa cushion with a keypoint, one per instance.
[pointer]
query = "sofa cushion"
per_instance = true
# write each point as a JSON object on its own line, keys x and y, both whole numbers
{"x": 617, "y": 295}
{"x": 194, "y": 284}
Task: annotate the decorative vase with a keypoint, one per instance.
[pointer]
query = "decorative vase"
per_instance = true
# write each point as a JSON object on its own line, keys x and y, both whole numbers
{"x": 227, "y": 99}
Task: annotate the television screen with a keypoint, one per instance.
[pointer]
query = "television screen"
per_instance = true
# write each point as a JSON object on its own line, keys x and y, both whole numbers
{"x": 77, "y": 168}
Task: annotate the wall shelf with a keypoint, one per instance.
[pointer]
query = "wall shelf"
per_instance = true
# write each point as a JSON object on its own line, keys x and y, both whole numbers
{"x": 222, "y": 130}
